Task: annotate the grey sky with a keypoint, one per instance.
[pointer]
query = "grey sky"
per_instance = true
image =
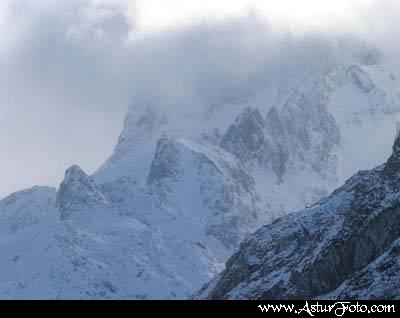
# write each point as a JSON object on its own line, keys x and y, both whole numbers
{"x": 69, "y": 69}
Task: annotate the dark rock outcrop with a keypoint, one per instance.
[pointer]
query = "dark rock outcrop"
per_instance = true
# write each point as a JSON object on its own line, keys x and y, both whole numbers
{"x": 341, "y": 246}
{"x": 245, "y": 138}
{"x": 165, "y": 163}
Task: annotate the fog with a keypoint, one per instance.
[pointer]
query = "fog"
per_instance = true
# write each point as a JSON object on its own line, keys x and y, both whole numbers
{"x": 70, "y": 69}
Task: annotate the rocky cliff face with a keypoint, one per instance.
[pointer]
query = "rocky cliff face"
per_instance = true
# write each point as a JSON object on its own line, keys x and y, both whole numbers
{"x": 245, "y": 138}
{"x": 166, "y": 162}
{"x": 345, "y": 246}
{"x": 207, "y": 183}
{"x": 183, "y": 188}
{"x": 78, "y": 193}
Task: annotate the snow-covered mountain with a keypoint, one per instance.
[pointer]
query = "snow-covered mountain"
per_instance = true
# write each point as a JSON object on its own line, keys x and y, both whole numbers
{"x": 344, "y": 247}
{"x": 185, "y": 185}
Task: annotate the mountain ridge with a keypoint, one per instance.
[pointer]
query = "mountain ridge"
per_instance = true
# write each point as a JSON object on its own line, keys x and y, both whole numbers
{"x": 162, "y": 215}
{"x": 338, "y": 249}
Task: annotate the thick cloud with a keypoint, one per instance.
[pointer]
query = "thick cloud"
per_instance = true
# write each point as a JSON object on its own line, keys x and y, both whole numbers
{"x": 61, "y": 98}
{"x": 69, "y": 70}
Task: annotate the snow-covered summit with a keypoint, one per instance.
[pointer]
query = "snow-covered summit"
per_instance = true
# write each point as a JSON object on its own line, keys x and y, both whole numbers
{"x": 344, "y": 247}
{"x": 184, "y": 186}
{"x": 78, "y": 194}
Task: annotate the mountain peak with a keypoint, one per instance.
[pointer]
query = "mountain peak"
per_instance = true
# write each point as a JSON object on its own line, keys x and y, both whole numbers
{"x": 140, "y": 126}
{"x": 245, "y": 137}
{"x": 136, "y": 144}
{"x": 251, "y": 114}
{"x": 164, "y": 162}
{"x": 74, "y": 173}
{"x": 393, "y": 163}
{"x": 396, "y": 147}
{"x": 343, "y": 247}
{"x": 78, "y": 192}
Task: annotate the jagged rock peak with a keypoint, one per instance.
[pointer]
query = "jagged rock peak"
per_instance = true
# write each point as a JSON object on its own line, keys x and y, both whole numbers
{"x": 274, "y": 124}
{"x": 393, "y": 163}
{"x": 164, "y": 162}
{"x": 273, "y": 114}
{"x": 246, "y": 135}
{"x": 78, "y": 192}
{"x": 345, "y": 246}
{"x": 75, "y": 174}
{"x": 251, "y": 114}
{"x": 279, "y": 150}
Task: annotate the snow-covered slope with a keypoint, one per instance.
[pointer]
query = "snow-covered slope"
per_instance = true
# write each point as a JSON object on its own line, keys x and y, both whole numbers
{"x": 26, "y": 208}
{"x": 185, "y": 185}
{"x": 304, "y": 141}
{"x": 86, "y": 249}
{"x": 344, "y": 247}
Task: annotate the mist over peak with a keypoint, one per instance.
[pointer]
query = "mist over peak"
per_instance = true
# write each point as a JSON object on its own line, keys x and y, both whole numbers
{"x": 73, "y": 68}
